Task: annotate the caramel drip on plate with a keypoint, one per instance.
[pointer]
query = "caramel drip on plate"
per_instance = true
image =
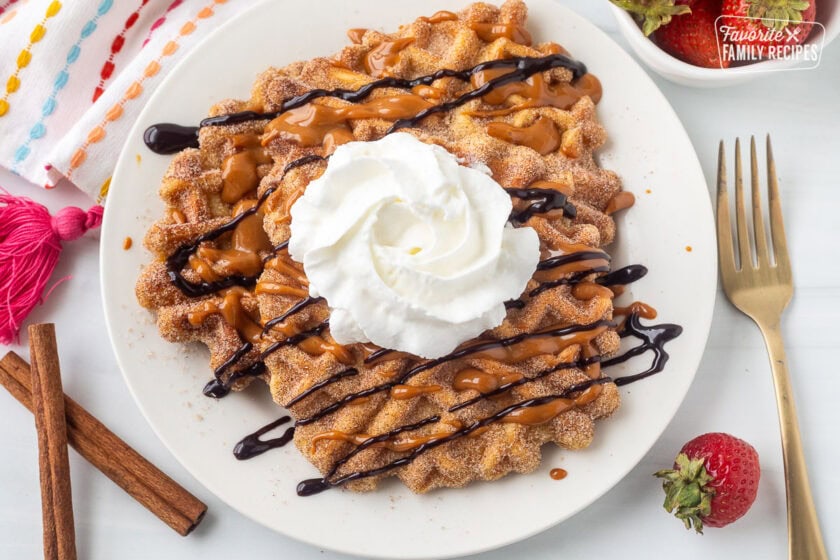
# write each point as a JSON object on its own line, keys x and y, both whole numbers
{"x": 385, "y": 55}
{"x": 638, "y": 308}
{"x": 535, "y": 92}
{"x": 439, "y": 17}
{"x": 558, "y": 474}
{"x": 489, "y": 32}
{"x": 541, "y": 136}
{"x": 406, "y": 392}
{"x": 620, "y": 201}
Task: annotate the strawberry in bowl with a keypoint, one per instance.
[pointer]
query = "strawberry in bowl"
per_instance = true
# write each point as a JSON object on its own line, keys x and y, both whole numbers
{"x": 709, "y": 43}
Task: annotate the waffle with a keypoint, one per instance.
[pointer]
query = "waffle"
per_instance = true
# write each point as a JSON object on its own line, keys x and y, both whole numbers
{"x": 347, "y": 399}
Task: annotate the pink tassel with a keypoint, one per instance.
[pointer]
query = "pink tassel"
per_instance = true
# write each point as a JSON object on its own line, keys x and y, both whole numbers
{"x": 30, "y": 243}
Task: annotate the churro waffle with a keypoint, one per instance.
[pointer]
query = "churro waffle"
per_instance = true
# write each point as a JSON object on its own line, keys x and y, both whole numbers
{"x": 365, "y": 413}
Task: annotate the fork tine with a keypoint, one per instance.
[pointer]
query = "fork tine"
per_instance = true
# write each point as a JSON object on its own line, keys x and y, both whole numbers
{"x": 777, "y": 226}
{"x": 758, "y": 221}
{"x": 724, "y": 228}
{"x": 741, "y": 211}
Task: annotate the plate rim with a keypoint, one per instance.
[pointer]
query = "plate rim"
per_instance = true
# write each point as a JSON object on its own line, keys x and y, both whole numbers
{"x": 703, "y": 325}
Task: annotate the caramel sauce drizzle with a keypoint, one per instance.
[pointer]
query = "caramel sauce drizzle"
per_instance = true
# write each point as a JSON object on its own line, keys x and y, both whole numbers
{"x": 400, "y": 445}
{"x": 314, "y": 124}
{"x": 280, "y": 289}
{"x": 541, "y": 136}
{"x": 588, "y": 290}
{"x": 512, "y": 349}
{"x": 386, "y": 54}
{"x": 439, "y": 17}
{"x": 406, "y": 392}
{"x": 239, "y": 170}
{"x": 535, "y": 91}
{"x": 168, "y": 138}
{"x": 356, "y": 34}
{"x": 317, "y": 485}
{"x": 177, "y": 260}
{"x": 489, "y": 32}
{"x": 654, "y": 338}
{"x": 620, "y": 201}
{"x": 482, "y": 381}
{"x": 233, "y": 313}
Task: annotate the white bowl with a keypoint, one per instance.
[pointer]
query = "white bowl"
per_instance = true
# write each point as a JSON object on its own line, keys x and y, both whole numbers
{"x": 675, "y": 70}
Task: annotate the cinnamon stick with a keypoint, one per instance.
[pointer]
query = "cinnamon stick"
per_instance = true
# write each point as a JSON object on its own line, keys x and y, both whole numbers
{"x": 53, "y": 462}
{"x": 158, "y": 493}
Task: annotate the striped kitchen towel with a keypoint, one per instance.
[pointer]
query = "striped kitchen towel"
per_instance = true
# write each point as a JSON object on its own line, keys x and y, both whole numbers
{"x": 74, "y": 75}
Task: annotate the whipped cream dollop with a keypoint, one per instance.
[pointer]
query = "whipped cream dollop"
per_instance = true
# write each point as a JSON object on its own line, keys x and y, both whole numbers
{"x": 411, "y": 250}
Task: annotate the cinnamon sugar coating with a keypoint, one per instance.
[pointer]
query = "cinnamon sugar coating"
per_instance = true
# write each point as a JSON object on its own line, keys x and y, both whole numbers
{"x": 193, "y": 191}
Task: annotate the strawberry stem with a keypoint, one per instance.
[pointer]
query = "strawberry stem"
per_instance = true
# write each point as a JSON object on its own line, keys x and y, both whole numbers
{"x": 778, "y": 14}
{"x": 652, "y": 14}
{"x": 687, "y": 493}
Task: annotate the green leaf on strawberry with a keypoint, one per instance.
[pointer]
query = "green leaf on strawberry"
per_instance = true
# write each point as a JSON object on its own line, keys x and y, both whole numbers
{"x": 652, "y": 14}
{"x": 714, "y": 481}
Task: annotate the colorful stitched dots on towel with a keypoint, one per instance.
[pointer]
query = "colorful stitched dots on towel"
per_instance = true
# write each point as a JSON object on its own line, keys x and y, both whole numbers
{"x": 25, "y": 56}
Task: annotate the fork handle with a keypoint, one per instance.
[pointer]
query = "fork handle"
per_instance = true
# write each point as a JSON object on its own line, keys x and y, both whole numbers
{"x": 804, "y": 537}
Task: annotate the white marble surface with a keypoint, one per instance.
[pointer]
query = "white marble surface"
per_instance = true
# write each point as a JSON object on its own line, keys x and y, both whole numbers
{"x": 732, "y": 392}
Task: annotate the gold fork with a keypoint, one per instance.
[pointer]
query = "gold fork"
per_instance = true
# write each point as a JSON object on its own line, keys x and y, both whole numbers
{"x": 762, "y": 290}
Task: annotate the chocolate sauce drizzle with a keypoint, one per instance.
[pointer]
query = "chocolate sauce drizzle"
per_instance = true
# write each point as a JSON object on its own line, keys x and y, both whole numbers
{"x": 317, "y": 485}
{"x": 219, "y": 387}
{"x": 321, "y": 384}
{"x": 251, "y": 445}
{"x": 654, "y": 337}
{"x": 305, "y": 302}
{"x": 463, "y": 352}
{"x": 542, "y": 201}
{"x": 168, "y": 138}
{"x": 179, "y": 259}
{"x": 623, "y": 276}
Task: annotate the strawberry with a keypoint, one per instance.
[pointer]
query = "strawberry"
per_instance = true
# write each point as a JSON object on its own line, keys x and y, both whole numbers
{"x": 785, "y": 22}
{"x": 691, "y": 37}
{"x": 714, "y": 481}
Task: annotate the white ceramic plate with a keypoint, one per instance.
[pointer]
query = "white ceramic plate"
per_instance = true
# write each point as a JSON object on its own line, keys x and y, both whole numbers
{"x": 649, "y": 148}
